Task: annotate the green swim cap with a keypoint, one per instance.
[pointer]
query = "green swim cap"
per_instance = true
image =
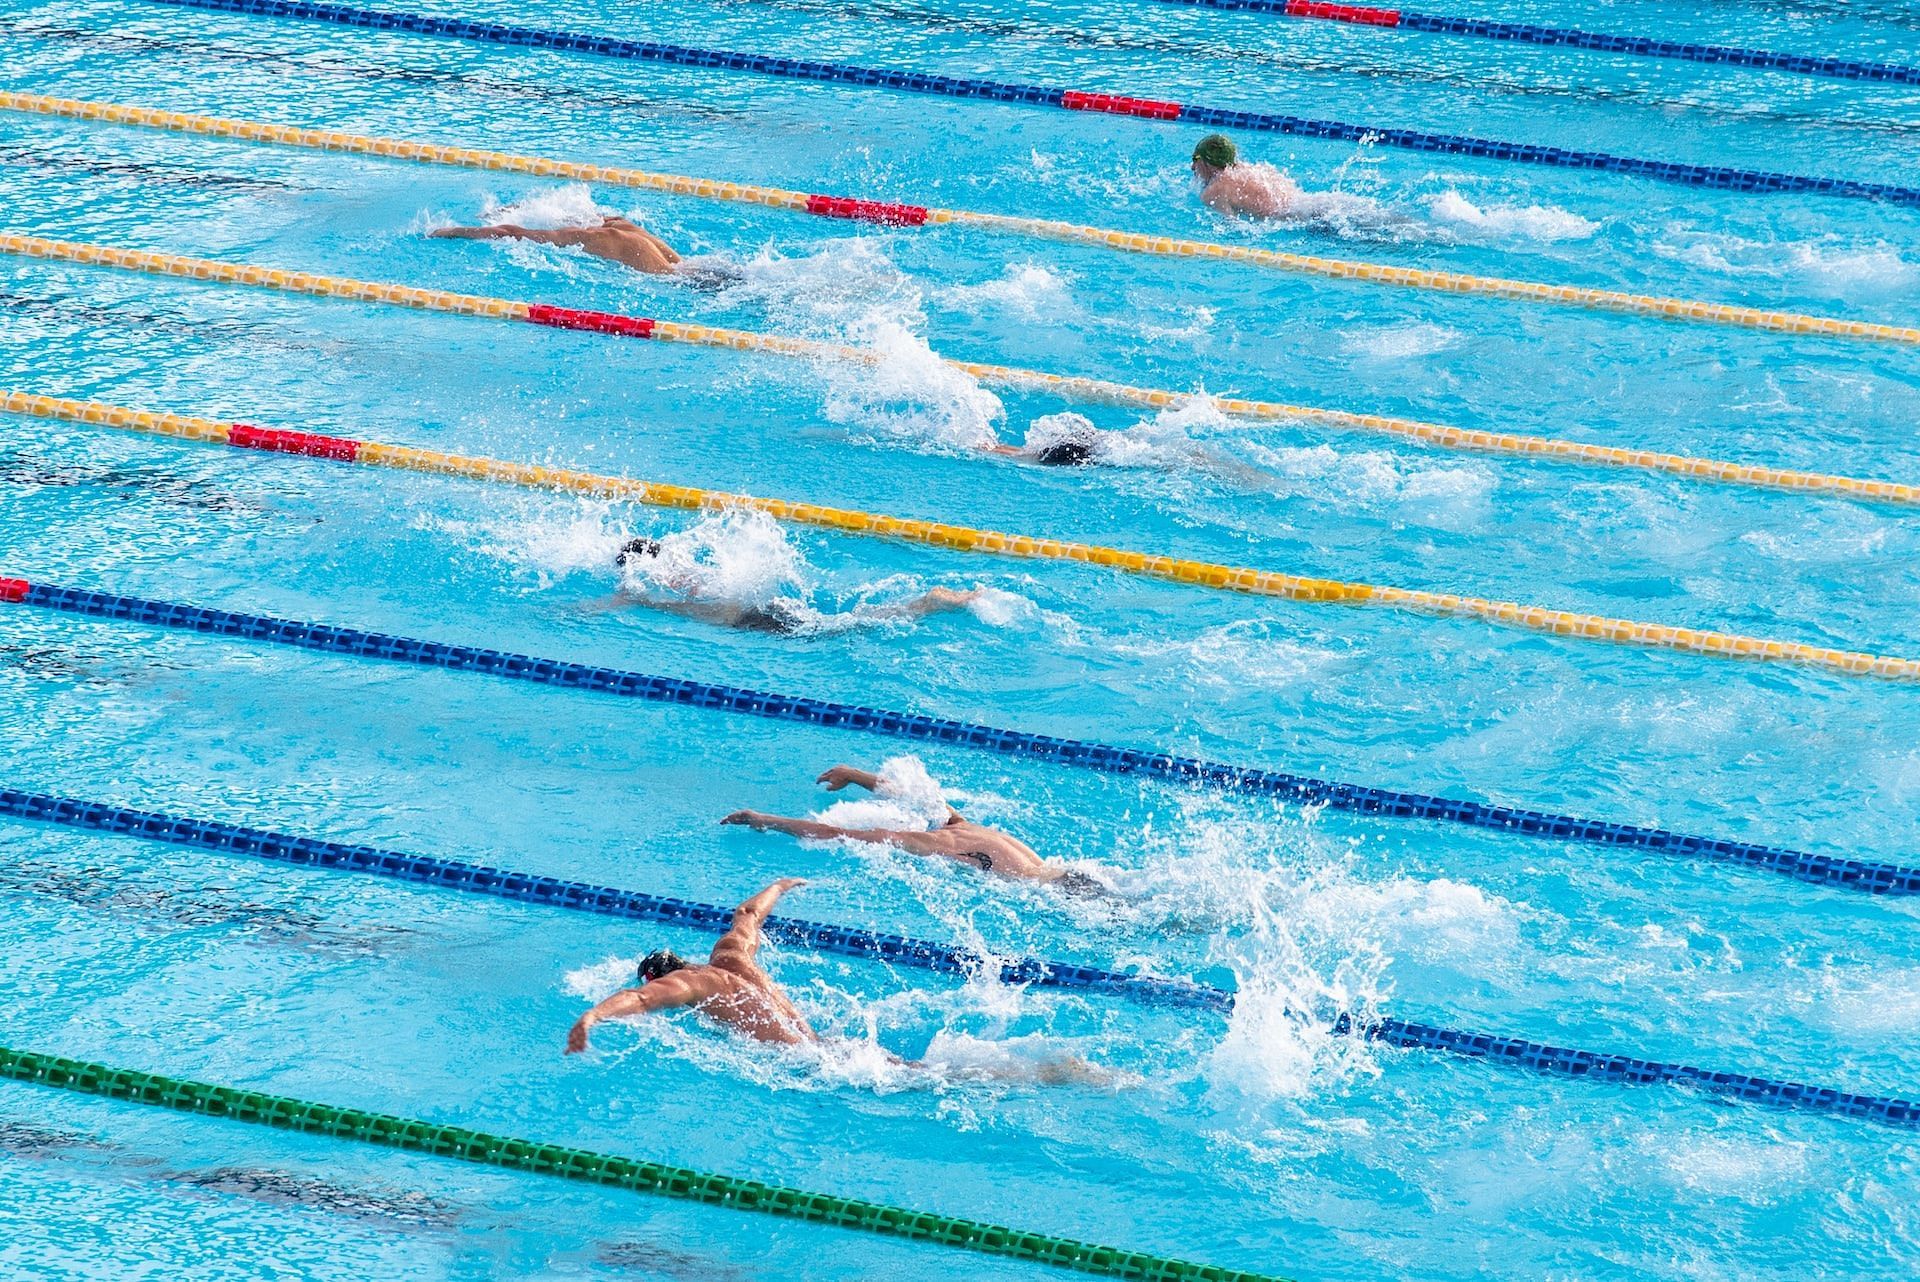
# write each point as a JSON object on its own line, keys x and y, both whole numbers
{"x": 1217, "y": 150}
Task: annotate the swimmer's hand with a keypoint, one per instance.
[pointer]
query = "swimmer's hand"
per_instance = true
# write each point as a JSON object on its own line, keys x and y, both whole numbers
{"x": 747, "y": 819}
{"x": 839, "y": 777}
{"x": 577, "y": 1036}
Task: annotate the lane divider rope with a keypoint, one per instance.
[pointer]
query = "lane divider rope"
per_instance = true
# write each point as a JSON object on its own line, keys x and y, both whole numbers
{"x": 1571, "y": 38}
{"x": 1721, "y": 177}
{"x": 1305, "y": 790}
{"x": 586, "y": 1167}
{"x": 1067, "y": 387}
{"x": 961, "y": 538}
{"x": 897, "y": 215}
{"x": 229, "y": 839}
{"x": 605, "y": 901}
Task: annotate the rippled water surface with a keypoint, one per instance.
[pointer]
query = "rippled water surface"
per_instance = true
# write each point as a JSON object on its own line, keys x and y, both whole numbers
{"x": 1265, "y": 1143}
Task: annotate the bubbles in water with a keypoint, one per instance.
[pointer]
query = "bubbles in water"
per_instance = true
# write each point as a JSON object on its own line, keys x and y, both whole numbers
{"x": 1403, "y": 341}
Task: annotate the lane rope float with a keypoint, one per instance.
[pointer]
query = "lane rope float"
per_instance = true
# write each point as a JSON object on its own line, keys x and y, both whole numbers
{"x": 1067, "y": 387}
{"x": 585, "y": 1167}
{"x": 1284, "y": 585}
{"x": 897, "y": 215}
{"x": 1721, "y": 177}
{"x": 311, "y": 852}
{"x": 1572, "y": 38}
{"x": 1305, "y": 790}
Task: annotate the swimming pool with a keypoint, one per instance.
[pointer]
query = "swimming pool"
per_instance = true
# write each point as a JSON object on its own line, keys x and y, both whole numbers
{"x": 1265, "y": 1142}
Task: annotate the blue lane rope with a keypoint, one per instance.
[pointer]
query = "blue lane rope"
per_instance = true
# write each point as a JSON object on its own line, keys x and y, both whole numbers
{"x": 957, "y": 87}
{"x": 230, "y": 839}
{"x": 606, "y": 901}
{"x": 1572, "y": 38}
{"x": 1852, "y": 874}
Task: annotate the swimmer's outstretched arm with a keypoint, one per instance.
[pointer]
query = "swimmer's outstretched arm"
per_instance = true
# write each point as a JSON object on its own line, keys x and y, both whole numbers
{"x": 513, "y": 231}
{"x": 838, "y": 777}
{"x": 808, "y": 829}
{"x": 661, "y": 994}
{"x": 742, "y": 939}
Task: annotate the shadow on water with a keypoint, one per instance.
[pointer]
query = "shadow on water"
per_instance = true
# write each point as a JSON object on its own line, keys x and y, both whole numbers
{"x": 67, "y": 308}
{"x": 321, "y": 65}
{"x": 125, "y": 482}
{"x": 112, "y": 892}
{"x": 398, "y": 1210}
{"x": 1410, "y": 71}
{"x": 155, "y": 175}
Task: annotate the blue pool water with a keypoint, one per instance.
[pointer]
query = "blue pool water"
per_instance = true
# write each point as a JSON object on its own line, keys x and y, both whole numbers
{"x": 1265, "y": 1143}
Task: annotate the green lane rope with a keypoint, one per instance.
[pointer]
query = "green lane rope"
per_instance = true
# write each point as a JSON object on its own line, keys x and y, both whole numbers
{"x": 588, "y": 1167}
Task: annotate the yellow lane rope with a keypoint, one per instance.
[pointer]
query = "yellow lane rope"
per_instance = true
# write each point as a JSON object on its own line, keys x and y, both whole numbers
{"x": 960, "y": 538}
{"x": 1472, "y": 440}
{"x": 1606, "y": 300}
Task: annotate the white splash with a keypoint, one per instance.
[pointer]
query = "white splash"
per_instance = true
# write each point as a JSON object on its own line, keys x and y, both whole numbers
{"x": 1542, "y": 224}
{"x": 734, "y": 555}
{"x": 1024, "y": 291}
{"x": 909, "y": 391}
{"x": 908, "y": 799}
{"x": 1829, "y": 263}
{"x": 548, "y": 540}
{"x": 1403, "y": 341}
{"x": 548, "y": 210}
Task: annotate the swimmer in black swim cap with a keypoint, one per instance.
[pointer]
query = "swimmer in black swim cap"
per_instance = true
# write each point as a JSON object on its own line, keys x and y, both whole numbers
{"x": 661, "y": 961}
{"x": 1057, "y": 440}
{"x": 1065, "y": 454}
{"x": 733, "y": 990}
{"x": 637, "y": 547}
{"x": 778, "y": 617}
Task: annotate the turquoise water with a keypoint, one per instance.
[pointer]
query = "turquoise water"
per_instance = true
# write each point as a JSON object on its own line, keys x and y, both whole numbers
{"x": 1263, "y": 1144}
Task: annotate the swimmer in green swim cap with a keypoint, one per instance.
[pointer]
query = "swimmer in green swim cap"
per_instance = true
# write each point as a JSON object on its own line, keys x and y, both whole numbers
{"x": 1233, "y": 186}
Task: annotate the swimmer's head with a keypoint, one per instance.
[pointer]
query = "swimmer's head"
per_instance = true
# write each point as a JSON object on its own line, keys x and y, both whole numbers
{"x": 1214, "y": 153}
{"x": 637, "y": 547}
{"x": 1065, "y": 454}
{"x": 659, "y": 962}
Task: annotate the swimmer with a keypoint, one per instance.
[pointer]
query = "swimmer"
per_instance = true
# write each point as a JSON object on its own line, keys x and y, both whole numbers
{"x": 732, "y": 990}
{"x": 618, "y": 240}
{"x": 1071, "y": 441}
{"x": 777, "y": 617}
{"x": 1237, "y": 187}
{"x": 959, "y": 839}
{"x": 1233, "y": 187}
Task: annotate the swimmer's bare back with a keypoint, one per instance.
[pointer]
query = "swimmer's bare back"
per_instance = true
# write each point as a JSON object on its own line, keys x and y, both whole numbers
{"x": 1252, "y": 192}
{"x": 731, "y": 989}
{"x": 617, "y": 240}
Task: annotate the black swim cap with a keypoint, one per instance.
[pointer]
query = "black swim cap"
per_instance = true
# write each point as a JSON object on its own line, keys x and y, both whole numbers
{"x": 637, "y": 547}
{"x": 659, "y": 962}
{"x": 1066, "y": 454}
